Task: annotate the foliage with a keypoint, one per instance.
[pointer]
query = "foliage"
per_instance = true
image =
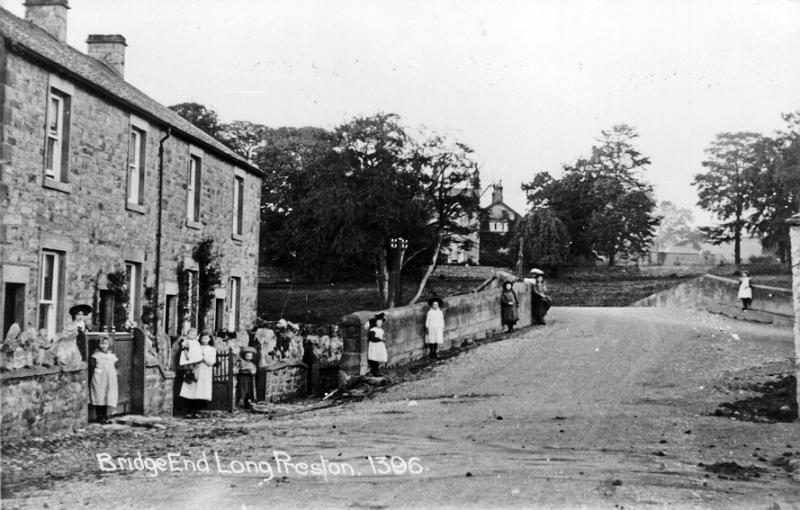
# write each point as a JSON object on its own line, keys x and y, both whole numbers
{"x": 209, "y": 276}
{"x": 545, "y": 239}
{"x": 675, "y": 226}
{"x": 243, "y": 137}
{"x": 775, "y": 181}
{"x": 202, "y": 117}
{"x": 725, "y": 188}
{"x": 604, "y": 204}
{"x": 118, "y": 287}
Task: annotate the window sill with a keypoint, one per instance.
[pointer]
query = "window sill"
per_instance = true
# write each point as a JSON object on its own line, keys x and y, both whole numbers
{"x": 136, "y": 208}
{"x": 57, "y": 185}
{"x": 194, "y": 224}
{"x": 237, "y": 237}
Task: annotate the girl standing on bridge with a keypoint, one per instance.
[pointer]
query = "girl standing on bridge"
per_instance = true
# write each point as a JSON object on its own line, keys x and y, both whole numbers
{"x": 434, "y": 326}
{"x": 745, "y": 290}
{"x": 376, "y": 353}
{"x": 509, "y": 305}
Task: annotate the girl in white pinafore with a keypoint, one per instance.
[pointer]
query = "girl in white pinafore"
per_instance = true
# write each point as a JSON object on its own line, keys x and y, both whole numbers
{"x": 434, "y": 326}
{"x": 198, "y": 393}
{"x": 103, "y": 388}
{"x": 376, "y": 351}
{"x": 745, "y": 290}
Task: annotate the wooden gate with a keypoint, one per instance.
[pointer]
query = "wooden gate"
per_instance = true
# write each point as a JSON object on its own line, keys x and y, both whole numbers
{"x": 129, "y": 349}
{"x": 222, "y": 386}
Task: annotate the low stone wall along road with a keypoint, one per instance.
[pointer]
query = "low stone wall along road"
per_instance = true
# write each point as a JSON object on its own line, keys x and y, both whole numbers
{"x": 601, "y": 408}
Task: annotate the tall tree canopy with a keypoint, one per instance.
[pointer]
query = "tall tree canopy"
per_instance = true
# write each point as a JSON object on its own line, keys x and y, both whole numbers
{"x": 202, "y": 117}
{"x": 725, "y": 188}
{"x": 545, "y": 240}
{"x": 603, "y": 201}
{"x": 776, "y": 187}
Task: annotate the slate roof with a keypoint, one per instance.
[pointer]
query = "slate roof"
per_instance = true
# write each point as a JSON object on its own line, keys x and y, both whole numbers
{"x": 25, "y": 37}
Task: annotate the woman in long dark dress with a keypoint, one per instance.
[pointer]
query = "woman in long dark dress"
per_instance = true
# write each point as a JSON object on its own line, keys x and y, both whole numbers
{"x": 509, "y": 306}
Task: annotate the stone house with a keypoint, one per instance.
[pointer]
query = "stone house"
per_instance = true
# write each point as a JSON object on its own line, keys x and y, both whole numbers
{"x": 97, "y": 178}
{"x": 464, "y": 248}
{"x": 496, "y": 228}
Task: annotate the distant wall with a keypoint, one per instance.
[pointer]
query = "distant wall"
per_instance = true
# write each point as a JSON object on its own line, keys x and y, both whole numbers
{"x": 477, "y": 272}
{"x": 467, "y": 316}
{"x": 719, "y": 294}
{"x": 674, "y": 270}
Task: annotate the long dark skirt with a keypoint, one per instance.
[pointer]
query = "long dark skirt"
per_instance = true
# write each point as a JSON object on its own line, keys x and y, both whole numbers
{"x": 509, "y": 315}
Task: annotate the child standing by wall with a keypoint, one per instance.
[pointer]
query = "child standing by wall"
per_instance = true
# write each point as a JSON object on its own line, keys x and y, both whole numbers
{"x": 376, "y": 354}
{"x": 246, "y": 378}
{"x": 103, "y": 389}
{"x": 434, "y": 327}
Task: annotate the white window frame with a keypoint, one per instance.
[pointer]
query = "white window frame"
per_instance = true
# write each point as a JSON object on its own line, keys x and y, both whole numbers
{"x": 55, "y": 135}
{"x": 194, "y": 183}
{"x": 49, "y": 304}
{"x": 133, "y": 272}
{"x": 238, "y": 205}
{"x": 234, "y": 303}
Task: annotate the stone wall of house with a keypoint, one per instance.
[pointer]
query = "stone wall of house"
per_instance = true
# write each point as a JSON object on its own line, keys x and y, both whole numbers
{"x": 40, "y": 400}
{"x": 88, "y": 218}
{"x": 467, "y": 317}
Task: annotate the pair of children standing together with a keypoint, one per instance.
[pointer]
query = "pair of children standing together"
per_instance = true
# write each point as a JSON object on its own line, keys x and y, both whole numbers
{"x": 434, "y": 336}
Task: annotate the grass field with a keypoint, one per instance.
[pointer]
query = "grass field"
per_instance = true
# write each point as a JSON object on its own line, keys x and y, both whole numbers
{"x": 327, "y": 303}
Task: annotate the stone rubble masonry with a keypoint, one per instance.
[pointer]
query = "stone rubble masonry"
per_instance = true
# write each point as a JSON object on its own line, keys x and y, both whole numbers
{"x": 40, "y": 401}
{"x": 467, "y": 317}
{"x": 89, "y": 218}
{"x": 458, "y": 271}
{"x": 281, "y": 381}
{"x": 158, "y": 384}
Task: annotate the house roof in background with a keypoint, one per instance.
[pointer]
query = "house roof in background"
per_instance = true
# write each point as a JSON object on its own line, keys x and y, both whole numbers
{"x": 26, "y": 38}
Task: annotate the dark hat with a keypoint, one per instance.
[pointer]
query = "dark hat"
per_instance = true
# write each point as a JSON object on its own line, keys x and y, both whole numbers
{"x": 374, "y": 319}
{"x": 435, "y": 299}
{"x": 245, "y": 350}
{"x": 85, "y": 309}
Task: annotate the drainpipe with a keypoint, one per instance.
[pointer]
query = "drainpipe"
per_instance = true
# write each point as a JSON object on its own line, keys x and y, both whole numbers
{"x": 158, "y": 230}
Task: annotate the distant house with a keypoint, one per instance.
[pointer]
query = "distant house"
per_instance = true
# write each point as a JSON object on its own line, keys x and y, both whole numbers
{"x": 496, "y": 229}
{"x": 464, "y": 248}
{"x": 691, "y": 252}
{"x": 96, "y": 177}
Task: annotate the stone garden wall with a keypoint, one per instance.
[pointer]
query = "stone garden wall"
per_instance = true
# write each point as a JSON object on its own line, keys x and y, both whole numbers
{"x": 42, "y": 400}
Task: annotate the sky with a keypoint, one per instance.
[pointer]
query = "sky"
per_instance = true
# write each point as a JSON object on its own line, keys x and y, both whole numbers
{"x": 529, "y": 85}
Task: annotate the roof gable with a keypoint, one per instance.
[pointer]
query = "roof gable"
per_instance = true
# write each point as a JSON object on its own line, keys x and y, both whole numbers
{"x": 28, "y": 39}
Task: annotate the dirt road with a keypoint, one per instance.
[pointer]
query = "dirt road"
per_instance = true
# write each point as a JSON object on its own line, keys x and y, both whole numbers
{"x": 601, "y": 408}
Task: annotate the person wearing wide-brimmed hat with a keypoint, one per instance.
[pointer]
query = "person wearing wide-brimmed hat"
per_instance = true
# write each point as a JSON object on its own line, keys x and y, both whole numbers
{"x": 246, "y": 378}
{"x": 376, "y": 352}
{"x": 434, "y": 326}
{"x": 80, "y": 316}
{"x": 540, "y": 300}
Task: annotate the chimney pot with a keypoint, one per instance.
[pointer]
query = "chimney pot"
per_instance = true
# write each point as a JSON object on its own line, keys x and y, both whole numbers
{"x": 50, "y": 15}
{"x": 110, "y": 50}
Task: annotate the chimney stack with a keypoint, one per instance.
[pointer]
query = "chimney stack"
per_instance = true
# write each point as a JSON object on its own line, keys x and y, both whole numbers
{"x": 51, "y": 15}
{"x": 110, "y": 50}
{"x": 497, "y": 192}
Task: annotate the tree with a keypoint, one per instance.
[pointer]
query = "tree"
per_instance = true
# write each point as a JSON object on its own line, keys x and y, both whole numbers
{"x": 676, "y": 224}
{"x": 243, "y": 137}
{"x": 725, "y": 189}
{"x": 450, "y": 182}
{"x": 202, "y": 117}
{"x": 775, "y": 178}
{"x": 544, "y": 237}
{"x": 602, "y": 200}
